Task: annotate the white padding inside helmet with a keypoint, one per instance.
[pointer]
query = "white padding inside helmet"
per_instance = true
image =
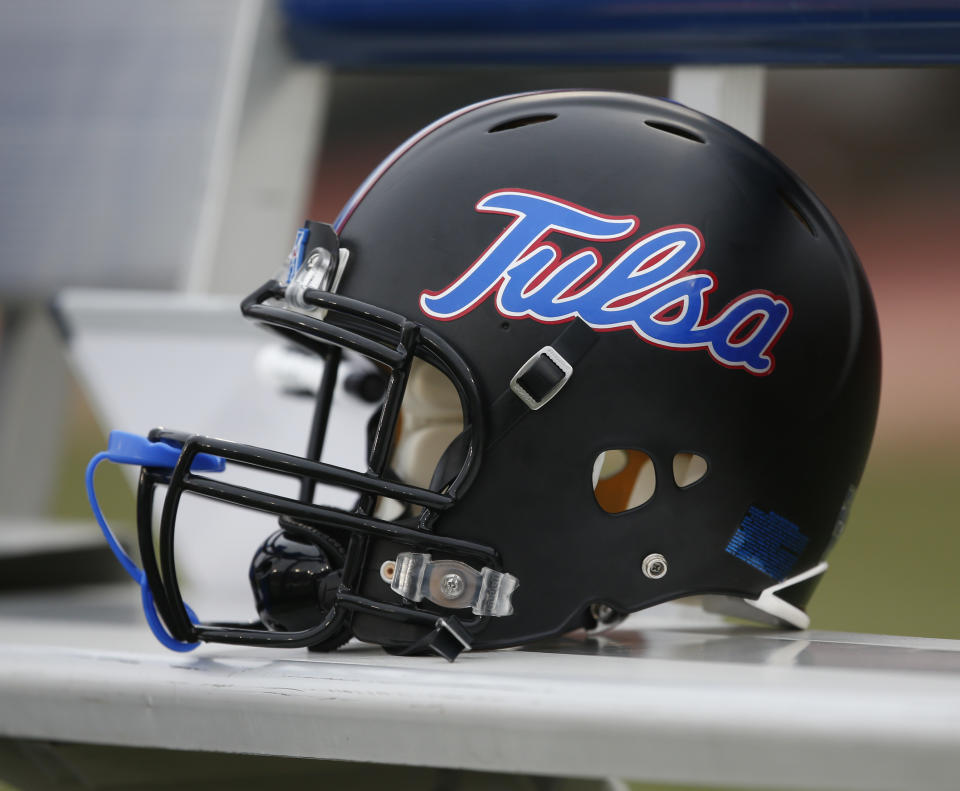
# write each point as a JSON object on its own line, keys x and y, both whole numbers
{"x": 430, "y": 395}
{"x": 430, "y": 419}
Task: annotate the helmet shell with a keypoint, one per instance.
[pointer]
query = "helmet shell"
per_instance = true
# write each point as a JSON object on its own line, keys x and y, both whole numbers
{"x": 788, "y": 443}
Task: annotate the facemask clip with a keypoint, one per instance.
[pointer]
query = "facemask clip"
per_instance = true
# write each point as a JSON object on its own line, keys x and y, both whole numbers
{"x": 450, "y": 583}
{"x": 316, "y": 262}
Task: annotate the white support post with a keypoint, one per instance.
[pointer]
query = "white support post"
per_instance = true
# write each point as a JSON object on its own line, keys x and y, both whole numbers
{"x": 734, "y": 94}
{"x": 33, "y": 409}
{"x": 268, "y": 132}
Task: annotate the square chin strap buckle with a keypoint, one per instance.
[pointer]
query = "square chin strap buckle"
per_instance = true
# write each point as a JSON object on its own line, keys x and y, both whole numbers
{"x": 541, "y": 377}
{"x": 448, "y": 639}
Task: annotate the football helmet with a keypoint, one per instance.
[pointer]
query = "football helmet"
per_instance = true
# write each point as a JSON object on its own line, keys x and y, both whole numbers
{"x": 620, "y": 355}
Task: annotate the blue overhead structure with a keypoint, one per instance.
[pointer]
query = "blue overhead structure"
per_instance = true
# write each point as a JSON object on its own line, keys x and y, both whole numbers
{"x": 852, "y": 32}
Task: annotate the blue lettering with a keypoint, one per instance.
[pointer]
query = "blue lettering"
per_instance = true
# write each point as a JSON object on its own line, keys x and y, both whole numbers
{"x": 648, "y": 288}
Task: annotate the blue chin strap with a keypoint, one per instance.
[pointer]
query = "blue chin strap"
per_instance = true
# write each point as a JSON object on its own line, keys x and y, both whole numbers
{"x": 126, "y": 448}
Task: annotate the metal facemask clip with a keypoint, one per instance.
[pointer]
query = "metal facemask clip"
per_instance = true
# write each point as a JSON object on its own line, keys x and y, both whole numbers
{"x": 316, "y": 262}
{"x": 450, "y": 583}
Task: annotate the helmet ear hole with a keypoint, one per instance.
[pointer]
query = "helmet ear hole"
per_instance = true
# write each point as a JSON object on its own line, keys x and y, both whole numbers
{"x": 688, "y": 469}
{"x": 623, "y": 479}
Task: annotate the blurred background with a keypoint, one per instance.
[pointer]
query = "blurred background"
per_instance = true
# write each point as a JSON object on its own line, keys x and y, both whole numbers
{"x": 174, "y": 147}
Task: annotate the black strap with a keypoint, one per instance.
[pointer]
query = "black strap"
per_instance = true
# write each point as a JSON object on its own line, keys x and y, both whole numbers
{"x": 322, "y": 235}
{"x": 448, "y": 639}
{"x": 572, "y": 344}
{"x": 451, "y": 462}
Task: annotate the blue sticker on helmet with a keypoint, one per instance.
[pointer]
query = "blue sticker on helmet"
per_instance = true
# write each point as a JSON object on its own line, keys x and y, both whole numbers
{"x": 768, "y": 542}
{"x": 295, "y": 259}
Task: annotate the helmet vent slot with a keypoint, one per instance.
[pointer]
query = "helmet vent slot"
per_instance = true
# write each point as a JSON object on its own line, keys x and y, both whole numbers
{"x": 679, "y": 131}
{"x": 688, "y": 469}
{"x": 623, "y": 479}
{"x": 516, "y": 123}
{"x": 797, "y": 213}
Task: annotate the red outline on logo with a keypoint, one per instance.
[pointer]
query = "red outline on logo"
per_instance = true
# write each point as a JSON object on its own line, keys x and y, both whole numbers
{"x": 635, "y": 222}
{"x": 544, "y": 275}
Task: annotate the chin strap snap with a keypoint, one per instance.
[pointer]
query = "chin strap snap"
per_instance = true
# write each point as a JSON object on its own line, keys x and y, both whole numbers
{"x": 126, "y": 448}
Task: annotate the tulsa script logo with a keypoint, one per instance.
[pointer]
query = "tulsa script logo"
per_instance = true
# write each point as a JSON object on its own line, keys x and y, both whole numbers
{"x": 650, "y": 288}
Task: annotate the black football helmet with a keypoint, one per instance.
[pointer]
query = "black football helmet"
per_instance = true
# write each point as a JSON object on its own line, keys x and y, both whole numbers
{"x": 621, "y": 355}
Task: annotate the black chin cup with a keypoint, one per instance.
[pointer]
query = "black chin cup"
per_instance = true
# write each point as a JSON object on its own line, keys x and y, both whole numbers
{"x": 295, "y": 582}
